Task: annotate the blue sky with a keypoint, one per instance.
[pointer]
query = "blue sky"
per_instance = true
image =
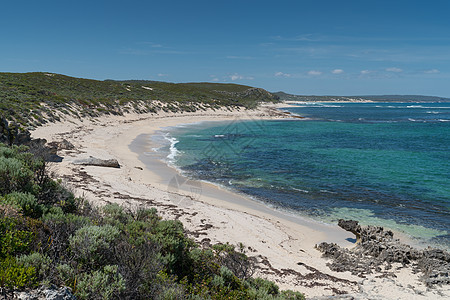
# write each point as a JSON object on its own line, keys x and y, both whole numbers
{"x": 303, "y": 47}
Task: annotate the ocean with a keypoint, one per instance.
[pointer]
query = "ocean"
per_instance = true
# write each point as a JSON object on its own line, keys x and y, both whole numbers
{"x": 385, "y": 164}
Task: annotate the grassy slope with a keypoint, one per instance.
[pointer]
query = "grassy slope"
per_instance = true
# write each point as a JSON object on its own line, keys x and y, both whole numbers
{"x": 34, "y": 98}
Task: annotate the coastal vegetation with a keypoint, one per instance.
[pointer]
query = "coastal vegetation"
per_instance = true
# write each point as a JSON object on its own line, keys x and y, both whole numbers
{"x": 50, "y": 237}
{"x": 32, "y": 99}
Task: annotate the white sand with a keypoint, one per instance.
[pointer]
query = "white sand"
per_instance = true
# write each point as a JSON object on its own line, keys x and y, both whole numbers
{"x": 284, "y": 244}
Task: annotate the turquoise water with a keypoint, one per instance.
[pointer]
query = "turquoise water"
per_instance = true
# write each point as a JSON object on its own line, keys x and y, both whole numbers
{"x": 383, "y": 164}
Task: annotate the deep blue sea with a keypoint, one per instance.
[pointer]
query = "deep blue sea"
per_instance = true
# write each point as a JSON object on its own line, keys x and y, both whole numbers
{"x": 383, "y": 164}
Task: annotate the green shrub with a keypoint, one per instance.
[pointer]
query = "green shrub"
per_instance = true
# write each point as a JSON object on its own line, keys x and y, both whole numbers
{"x": 15, "y": 176}
{"x": 175, "y": 246}
{"x": 291, "y": 295}
{"x": 268, "y": 287}
{"x": 67, "y": 275}
{"x": 57, "y": 215}
{"x": 7, "y": 152}
{"x": 174, "y": 292}
{"x": 60, "y": 227}
{"x": 22, "y": 171}
{"x": 147, "y": 215}
{"x": 92, "y": 244}
{"x": 15, "y": 275}
{"x": 115, "y": 215}
{"x": 230, "y": 280}
{"x": 138, "y": 232}
{"x": 53, "y": 193}
{"x": 235, "y": 260}
{"x": 203, "y": 262}
{"x": 40, "y": 262}
{"x": 139, "y": 264}
{"x": 218, "y": 281}
{"x": 102, "y": 284}
{"x": 26, "y": 202}
{"x": 14, "y": 238}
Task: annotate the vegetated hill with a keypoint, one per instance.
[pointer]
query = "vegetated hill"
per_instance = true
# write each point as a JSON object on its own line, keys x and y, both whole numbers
{"x": 377, "y": 98}
{"x": 35, "y": 98}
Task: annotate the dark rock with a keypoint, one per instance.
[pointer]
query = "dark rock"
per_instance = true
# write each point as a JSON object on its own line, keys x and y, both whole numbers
{"x": 12, "y": 134}
{"x": 350, "y": 225}
{"x": 376, "y": 248}
{"x": 92, "y": 161}
{"x": 63, "y": 145}
{"x": 8, "y": 131}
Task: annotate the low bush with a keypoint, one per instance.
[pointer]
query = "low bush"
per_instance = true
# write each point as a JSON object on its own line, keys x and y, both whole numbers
{"x": 47, "y": 236}
{"x": 115, "y": 215}
{"x": 107, "y": 283}
{"x": 15, "y": 176}
{"x": 25, "y": 202}
{"x": 41, "y": 263}
{"x": 92, "y": 244}
{"x": 14, "y": 275}
{"x": 15, "y": 238}
{"x": 268, "y": 287}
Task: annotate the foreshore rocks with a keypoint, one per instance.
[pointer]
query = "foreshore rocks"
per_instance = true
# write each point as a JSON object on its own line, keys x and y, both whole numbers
{"x": 92, "y": 161}
{"x": 62, "y": 145}
{"x": 43, "y": 293}
{"x": 376, "y": 250}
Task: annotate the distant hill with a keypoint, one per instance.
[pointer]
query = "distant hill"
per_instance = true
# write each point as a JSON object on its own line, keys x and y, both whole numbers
{"x": 31, "y": 99}
{"x": 377, "y": 98}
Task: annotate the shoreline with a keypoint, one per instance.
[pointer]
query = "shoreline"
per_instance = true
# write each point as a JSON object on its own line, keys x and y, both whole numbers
{"x": 284, "y": 248}
{"x": 334, "y": 234}
{"x": 214, "y": 194}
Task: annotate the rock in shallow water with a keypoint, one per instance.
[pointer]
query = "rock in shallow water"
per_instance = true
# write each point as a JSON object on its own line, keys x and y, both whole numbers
{"x": 377, "y": 249}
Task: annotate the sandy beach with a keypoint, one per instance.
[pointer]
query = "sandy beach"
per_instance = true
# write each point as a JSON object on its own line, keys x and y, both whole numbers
{"x": 283, "y": 244}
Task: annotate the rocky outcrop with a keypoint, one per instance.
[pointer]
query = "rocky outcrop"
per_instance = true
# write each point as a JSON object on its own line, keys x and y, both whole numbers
{"x": 376, "y": 250}
{"x": 92, "y": 161}
{"x": 62, "y": 145}
{"x": 435, "y": 264}
{"x": 12, "y": 134}
{"x": 45, "y": 293}
{"x": 351, "y": 226}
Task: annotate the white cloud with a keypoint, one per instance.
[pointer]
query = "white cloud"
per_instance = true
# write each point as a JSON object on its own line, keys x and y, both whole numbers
{"x": 337, "y": 71}
{"x": 240, "y": 57}
{"x": 162, "y": 75}
{"x": 314, "y": 73}
{"x": 237, "y": 76}
{"x": 432, "y": 71}
{"x": 151, "y": 44}
{"x": 298, "y": 38}
{"x": 394, "y": 69}
{"x": 365, "y": 72}
{"x": 281, "y": 74}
